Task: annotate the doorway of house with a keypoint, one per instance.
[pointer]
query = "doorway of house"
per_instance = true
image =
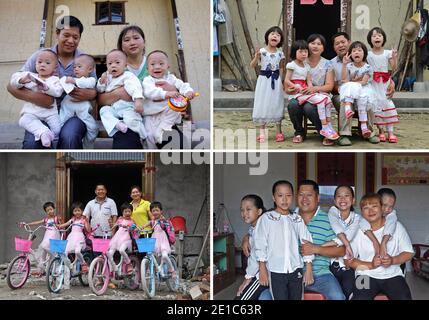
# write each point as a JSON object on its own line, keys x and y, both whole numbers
{"x": 117, "y": 178}
{"x": 319, "y": 18}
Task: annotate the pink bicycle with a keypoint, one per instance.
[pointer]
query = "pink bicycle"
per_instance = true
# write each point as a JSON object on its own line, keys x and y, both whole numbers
{"x": 20, "y": 267}
{"x": 100, "y": 270}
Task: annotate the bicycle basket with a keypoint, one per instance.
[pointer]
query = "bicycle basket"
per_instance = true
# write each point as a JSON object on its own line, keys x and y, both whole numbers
{"x": 146, "y": 244}
{"x": 100, "y": 245}
{"x": 58, "y": 246}
{"x": 22, "y": 245}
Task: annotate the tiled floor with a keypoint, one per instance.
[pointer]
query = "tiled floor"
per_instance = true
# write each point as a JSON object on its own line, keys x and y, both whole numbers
{"x": 419, "y": 288}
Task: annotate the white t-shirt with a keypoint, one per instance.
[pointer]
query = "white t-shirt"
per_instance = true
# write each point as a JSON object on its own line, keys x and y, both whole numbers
{"x": 299, "y": 73}
{"x": 364, "y": 250}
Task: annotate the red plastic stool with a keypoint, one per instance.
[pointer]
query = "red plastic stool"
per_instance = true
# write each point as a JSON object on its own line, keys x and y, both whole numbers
{"x": 313, "y": 296}
{"x": 381, "y": 297}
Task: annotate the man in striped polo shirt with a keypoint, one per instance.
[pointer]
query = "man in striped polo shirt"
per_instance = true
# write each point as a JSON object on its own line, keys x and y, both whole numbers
{"x": 318, "y": 224}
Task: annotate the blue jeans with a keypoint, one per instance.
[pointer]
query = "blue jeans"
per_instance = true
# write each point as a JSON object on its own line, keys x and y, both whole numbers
{"x": 265, "y": 295}
{"x": 327, "y": 285}
{"x": 127, "y": 140}
{"x": 71, "y": 136}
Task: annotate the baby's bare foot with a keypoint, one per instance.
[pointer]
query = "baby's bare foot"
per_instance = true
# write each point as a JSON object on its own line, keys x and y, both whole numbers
{"x": 121, "y": 127}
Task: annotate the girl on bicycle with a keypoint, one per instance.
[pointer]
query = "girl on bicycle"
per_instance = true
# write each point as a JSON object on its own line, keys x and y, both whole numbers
{"x": 76, "y": 239}
{"x": 162, "y": 246}
{"x": 121, "y": 241}
{"x": 50, "y": 221}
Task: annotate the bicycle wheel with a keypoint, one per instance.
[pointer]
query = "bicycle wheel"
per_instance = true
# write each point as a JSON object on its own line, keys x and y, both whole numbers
{"x": 173, "y": 283}
{"x": 83, "y": 277}
{"x": 148, "y": 276}
{"x": 132, "y": 281}
{"x": 55, "y": 275}
{"x": 18, "y": 272}
{"x": 98, "y": 275}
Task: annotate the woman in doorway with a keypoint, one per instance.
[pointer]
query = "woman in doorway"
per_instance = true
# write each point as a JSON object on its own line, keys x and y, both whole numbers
{"x": 322, "y": 76}
{"x": 141, "y": 208}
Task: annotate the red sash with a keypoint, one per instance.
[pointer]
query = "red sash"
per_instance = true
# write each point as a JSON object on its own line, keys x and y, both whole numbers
{"x": 381, "y": 77}
{"x": 302, "y": 83}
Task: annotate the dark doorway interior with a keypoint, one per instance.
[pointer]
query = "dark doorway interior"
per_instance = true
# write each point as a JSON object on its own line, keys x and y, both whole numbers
{"x": 118, "y": 180}
{"x": 317, "y": 18}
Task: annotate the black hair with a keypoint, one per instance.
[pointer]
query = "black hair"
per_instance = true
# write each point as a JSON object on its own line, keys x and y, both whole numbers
{"x": 156, "y": 204}
{"x": 75, "y": 205}
{"x": 135, "y": 187}
{"x": 358, "y": 44}
{"x": 309, "y": 183}
{"x": 279, "y": 31}
{"x": 48, "y": 204}
{"x": 387, "y": 192}
{"x": 100, "y": 184}
{"x": 298, "y": 45}
{"x": 378, "y": 30}
{"x": 126, "y": 205}
{"x": 339, "y": 34}
{"x": 315, "y": 36}
{"x": 157, "y": 51}
{"x": 125, "y": 31}
{"x": 368, "y": 197}
{"x": 69, "y": 21}
{"x": 279, "y": 183}
{"x": 257, "y": 201}
{"x": 351, "y": 191}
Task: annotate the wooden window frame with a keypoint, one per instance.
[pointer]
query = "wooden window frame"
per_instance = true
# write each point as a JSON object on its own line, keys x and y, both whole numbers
{"x": 110, "y": 22}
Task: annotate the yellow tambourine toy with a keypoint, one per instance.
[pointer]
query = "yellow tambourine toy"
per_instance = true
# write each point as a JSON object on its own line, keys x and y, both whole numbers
{"x": 180, "y": 103}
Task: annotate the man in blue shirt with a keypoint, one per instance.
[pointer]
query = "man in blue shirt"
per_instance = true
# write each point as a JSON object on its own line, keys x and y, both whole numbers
{"x": 317, "y": 222}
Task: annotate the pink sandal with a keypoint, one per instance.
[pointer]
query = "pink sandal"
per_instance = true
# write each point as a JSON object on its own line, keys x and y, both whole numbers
{"x": 297, "y": 139}
{"x": 393, "y": 138}
{"x": 366, "y": 133}
{"x": 260, "y": 138}
{"x": 280, "y": 137}
{"x": 382, "y": 137}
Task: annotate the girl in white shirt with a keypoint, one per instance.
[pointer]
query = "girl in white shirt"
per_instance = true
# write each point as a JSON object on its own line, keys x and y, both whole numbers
{"x": 278, "y": 235}
{"x": 252, "y": 207}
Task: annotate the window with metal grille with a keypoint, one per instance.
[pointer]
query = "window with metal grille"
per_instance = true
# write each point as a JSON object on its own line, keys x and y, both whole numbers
{"x": 110, "y": 12}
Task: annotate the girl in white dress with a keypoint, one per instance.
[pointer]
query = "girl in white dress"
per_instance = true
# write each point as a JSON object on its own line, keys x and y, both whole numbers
{"x": 380, "y": 59}
{"x": 355, "y": 88}
{"x": 298, "y": 76}
{"x": 269, "y": 98}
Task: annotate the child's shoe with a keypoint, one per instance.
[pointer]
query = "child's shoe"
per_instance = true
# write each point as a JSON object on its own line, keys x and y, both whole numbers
{"x": 393, "y": 138}
{"x": 329, "y": 133}
{"x": 366, "y": 133}
{"x": 280, "y": 137}
{"x": 382, "y": 137}
{"x": 260, "y": 138}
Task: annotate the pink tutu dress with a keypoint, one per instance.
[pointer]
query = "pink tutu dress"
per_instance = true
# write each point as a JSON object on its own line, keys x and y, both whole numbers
{"x": 50, "y": 233}
{"x": 162, "y": 243}
{"x": 76, "y": 239}
{"x": 122, "y": 236}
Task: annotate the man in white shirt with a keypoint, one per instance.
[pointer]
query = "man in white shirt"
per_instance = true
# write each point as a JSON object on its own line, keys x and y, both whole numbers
{"x": 341, "y": 43}
{"x": 101, "y": 212}
{"x": 377, "y": 274}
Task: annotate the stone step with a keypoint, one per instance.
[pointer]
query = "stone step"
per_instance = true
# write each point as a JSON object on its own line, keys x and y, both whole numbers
{"x": 244, "y": 100}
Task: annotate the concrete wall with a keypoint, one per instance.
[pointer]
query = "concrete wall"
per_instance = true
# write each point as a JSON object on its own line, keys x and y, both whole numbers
{"x": 412, "y": 203}
{"x": 3, "y": 202}
{"x": 30, "y": 182}
{"x": 261, "y": 15}
{"x": 20, "y": 21}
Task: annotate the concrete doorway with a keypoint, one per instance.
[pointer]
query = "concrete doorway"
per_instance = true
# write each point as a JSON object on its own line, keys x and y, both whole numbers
{"x": 317, "y": 18}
